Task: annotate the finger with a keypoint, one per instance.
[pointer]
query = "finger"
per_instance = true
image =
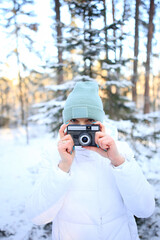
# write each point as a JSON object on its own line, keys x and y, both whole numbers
{"x": 105, "y": 140}
{"x": 67, "y": 137}
{"x": 98, "y": 135}
{"x": 103, "y": 143}
{"x": 62, "y": 129}
{"x": 69, "y": 147}
{"x": 65, "y": 145}
{"x": 102, "y": 127}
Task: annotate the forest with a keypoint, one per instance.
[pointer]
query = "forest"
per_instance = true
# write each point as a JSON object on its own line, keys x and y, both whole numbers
{"x": 46, "y": 48}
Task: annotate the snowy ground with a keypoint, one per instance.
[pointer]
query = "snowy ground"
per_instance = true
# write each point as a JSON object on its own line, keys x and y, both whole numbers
{"x": 19, "y": 164}
{"x": 18, "y": 170}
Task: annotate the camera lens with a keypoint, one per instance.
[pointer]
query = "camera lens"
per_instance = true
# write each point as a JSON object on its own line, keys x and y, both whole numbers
{"x": 84, "y": 139}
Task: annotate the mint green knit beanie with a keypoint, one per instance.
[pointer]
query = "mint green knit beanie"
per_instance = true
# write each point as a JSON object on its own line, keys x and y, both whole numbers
{"x": 84, "y": 102}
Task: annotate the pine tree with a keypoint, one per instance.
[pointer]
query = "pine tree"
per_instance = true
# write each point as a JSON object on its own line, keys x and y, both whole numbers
{"x": 88, "y": 43}
{"x": 136, "y": 50}
{"x": 49, "y": 112}
{"x": 115, "y": 86}
{"x": 4, "y": 105}
{"x": 15, "y": 28}
{"x": 149, "y": 46}
{"x": 59, "y": 42}
{"x": 114, "y": 89}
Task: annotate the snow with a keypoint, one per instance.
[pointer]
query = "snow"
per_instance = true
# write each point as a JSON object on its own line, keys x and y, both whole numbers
{"x": 61, "y": 87}
{"x": 120, "y": 84}
{"x": 148, "y": 116}
{"x": 111, "y": 66}
{"x": 130, "y": 104}
{"x": 48, "y": 104}
{"x": 19, "y": 169}
{"x": 82, "y": 78}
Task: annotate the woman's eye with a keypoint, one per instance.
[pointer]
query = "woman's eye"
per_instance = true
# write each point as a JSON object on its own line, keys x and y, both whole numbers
{"x": 91, "y": 120}
{"x": 73, "y": 120}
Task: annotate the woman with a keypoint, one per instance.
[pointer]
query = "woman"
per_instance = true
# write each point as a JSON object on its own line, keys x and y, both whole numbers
{"x": 91, "y": 193}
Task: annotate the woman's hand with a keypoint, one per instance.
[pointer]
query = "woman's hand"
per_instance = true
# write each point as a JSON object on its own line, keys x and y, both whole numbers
{"x": 66, "y": 149}
{"x": 106, "y": 146}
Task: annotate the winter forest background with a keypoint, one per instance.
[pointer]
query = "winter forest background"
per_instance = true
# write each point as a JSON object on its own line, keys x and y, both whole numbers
{"x": 46, "y": 47}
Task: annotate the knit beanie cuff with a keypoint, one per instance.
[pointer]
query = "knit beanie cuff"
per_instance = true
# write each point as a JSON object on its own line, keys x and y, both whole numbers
{"x": 90, "y": 112}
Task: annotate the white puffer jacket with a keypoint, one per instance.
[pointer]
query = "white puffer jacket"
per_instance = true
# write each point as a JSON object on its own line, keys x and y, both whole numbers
{"x": 95, "y": 201}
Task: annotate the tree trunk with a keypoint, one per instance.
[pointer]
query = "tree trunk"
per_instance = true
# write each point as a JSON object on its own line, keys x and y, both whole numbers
{"x": 21, "y": 94}
{"x": 154, "y": 94}
{"x": 136, "y": 51}
{"x": 90, "y": 40}
{"x": 19, "y": 73}
{"x": 123, "y": 19}
{"x": 149, "y": 44}
{"x": 105, "y": 28}
{"x": 26, "y": 94}
{"x": 84, "y": 38}
{"x": 59, "y": 41}
{"x": 1, "y": 97}
{"x": 114, "y": 31}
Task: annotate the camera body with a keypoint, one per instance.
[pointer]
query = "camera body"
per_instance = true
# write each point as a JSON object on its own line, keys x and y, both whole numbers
{"x": 83, "y": 135}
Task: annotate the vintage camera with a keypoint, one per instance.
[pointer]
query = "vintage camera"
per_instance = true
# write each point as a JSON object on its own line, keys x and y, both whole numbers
{"x": 83, "y": 135}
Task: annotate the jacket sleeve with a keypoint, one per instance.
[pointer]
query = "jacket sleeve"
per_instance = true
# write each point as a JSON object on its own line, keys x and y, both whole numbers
{"x": 49, "y": 192}
{"x": 135, "y": 190}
